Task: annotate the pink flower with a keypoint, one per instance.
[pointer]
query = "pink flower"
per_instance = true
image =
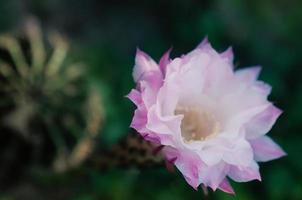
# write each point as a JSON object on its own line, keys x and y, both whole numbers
{"x": 210, "y": 119}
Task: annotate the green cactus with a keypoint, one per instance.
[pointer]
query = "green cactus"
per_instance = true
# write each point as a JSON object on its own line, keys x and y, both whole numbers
{"x": 46, "y": 100}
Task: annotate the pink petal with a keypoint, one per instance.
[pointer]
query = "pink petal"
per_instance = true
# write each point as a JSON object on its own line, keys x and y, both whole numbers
{"x": 144, "y": 65}
{"x": 241, "y": 154}
{"x": 265, "y": 149}
{"x": 225, "y": 186}
{"x": 167, "y": 99}
{"x": 160, "y": 116}
{"x": 212, "y": 155}
{"x": 189, "y": 169}
{"x": 218, "y": 76}
{"x": 206, "y": 48}
{"x": 163, "y": 125}
{"x": 191, "y": 77}
{"x": 171, "y": 153}
{"x": 187, "y": 163}
{"x": 204, "y": 43}
{"x": 244, "y": 174}
{"x": 135, "y": 97}
{"x": 148, "y": 93}
{"x": 164, "y": 61}
{"x": 139, "y": 120}
{"x": 240, "y": 119}
{"x": 262, "y": 88}
{"x": 244, "y": 97}
{"x": 152, "y": 137}
{"x": 228, "y": 54}
{"x": 249, "y": 74}
{"x": 263, "y": 122}
{"x": 213, "y": 176}
{"x": 153, "y": 78}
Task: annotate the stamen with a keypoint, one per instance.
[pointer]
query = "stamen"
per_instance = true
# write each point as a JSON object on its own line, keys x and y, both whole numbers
{"x": 198, "y": 124}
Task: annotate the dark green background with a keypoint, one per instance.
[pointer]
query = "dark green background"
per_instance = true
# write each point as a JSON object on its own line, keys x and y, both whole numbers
{"x": 105, "y": 34}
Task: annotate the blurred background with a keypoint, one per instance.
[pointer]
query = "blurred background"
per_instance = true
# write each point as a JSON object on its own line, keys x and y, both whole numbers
{"x": 66, "y": 67}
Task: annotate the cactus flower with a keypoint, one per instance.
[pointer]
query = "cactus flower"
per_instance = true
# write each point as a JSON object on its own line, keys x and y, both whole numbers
{"x": 210, "y": 120}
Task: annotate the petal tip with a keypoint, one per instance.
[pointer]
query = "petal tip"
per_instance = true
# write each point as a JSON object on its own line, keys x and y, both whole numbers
{"x": 228, "y": 54}
{"x": 204, "y": 42}
{"x": 139, "y": 53}
{"x": 281, "y": 153}
{"x": 277, "y": 111}
{"x": 226, "y": 187}
{"x": 257, "y": 69}
{"x": 164, "y": 61}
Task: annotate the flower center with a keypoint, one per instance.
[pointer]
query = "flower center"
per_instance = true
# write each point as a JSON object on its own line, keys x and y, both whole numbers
{"x": 197, "y": 124}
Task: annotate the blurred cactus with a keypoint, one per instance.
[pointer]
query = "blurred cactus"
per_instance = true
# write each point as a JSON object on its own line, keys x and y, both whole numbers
{"x": 131, "y": 151}
{"x": 46, "y": 103}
